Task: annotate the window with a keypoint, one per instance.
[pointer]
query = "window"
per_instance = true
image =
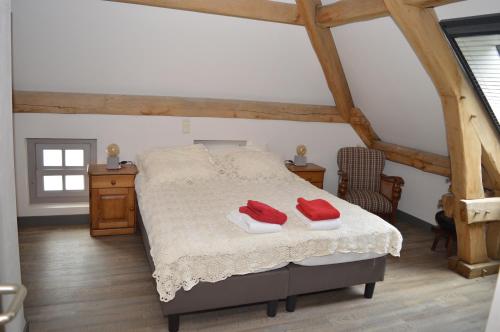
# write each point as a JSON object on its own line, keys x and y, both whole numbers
{"x": 57, "y": 169}
{"x": 476, "y": 42}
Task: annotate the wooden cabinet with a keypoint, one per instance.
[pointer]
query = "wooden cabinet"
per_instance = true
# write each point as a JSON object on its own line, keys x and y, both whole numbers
{"x": 311, "y": 172}
{"x": 112, "y": 200}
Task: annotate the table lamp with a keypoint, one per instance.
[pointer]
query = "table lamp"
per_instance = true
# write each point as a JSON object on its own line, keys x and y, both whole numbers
{"x": 113, "y": 162}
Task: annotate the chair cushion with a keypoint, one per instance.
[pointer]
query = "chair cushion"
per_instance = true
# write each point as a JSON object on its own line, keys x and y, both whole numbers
{"x": 363, "y": 167}
{"x": 369, "y": 200}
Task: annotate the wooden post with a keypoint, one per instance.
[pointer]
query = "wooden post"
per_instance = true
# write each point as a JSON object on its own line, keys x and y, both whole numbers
{"x": 422, "y": 30}
{"x": 324, "y": 46}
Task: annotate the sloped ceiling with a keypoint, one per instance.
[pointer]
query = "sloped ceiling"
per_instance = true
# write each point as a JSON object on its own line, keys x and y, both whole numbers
{"x": 390, "y": 85}
{"x": 105, "y": 47}
{"x": 102, "y": 47}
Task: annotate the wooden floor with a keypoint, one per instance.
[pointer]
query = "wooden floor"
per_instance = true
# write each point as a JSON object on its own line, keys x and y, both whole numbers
{"x": 79, "y": 283}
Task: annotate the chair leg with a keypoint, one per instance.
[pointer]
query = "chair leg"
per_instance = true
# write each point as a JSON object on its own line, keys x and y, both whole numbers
{"x": 369, "y": 289}
{"x": 435, "y": 243}
{"x": 272, "y": 308}
{"x": 394, "y": 219}
{"x": 173, "y": 323}
{"x": 291, "y": 302}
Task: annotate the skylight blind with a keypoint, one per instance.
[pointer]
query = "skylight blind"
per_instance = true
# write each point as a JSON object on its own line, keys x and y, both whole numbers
{"x": 483, "y": 57}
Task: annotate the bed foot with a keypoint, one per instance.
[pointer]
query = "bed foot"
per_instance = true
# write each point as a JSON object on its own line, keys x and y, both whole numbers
{"x": 291, "y": 302}
{"x": 369, "y": 289}
{"x": 272, "y": 308}
{"x": 173, "y": 323}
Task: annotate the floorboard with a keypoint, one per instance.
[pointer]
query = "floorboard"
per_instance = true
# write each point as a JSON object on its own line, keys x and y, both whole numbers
{"x": 79, "y": 283}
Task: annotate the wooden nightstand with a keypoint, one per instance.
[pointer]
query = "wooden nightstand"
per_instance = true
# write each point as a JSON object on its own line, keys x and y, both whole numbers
{"x": 112, "y": 200}
{"x": 311, "y": 172}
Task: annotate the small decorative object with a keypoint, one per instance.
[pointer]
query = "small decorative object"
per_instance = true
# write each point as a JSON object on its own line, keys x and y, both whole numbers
{"x": 300, "y": 159}
{"x": 113, "y": 150}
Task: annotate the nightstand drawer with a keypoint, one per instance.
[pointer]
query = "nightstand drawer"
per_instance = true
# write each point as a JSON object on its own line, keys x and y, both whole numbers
{"x": 311, "y": 176}
{"x": 112, "y": 181}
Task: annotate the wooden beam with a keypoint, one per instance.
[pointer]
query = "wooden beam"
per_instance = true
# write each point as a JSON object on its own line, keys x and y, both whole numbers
{"x": 324, "y": 46}
{"x": 350, "y": 11}
{"x": 471, "y": 271}
{"x": 493, "y": 240}
{"x": 430, "y": 3}
{"x": 263, "y": 10}
{"x": 454, "y": 88}
{"x": 422, "y": 30}
{"x": 480, "y": 210}
{"x": 77, "y": 103}
{"x": 363, "y": 127}
{"x": 425, "y": 161}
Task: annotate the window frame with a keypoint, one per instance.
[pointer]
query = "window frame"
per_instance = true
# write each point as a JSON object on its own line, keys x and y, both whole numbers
{"x": 467, "y": 27}
{"x": 36, "y": 170}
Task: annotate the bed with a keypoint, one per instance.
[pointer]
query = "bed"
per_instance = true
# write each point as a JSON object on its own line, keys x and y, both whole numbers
{"x": 201, "y": 261}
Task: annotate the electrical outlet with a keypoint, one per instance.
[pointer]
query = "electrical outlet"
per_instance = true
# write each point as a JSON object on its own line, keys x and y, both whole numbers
{"x": 186, "y": 126}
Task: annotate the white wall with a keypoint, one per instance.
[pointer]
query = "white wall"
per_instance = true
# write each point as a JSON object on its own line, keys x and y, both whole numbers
{"x": 9, "y": 250}
{"x": 103, "y": 47}
{"x": 135, "y": 134}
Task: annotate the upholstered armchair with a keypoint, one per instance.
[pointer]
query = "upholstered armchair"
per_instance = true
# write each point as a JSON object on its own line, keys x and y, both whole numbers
{"x": 362, "y": 182}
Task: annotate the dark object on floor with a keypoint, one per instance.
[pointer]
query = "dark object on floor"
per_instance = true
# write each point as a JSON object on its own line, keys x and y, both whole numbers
{"x": 445, "y": 230}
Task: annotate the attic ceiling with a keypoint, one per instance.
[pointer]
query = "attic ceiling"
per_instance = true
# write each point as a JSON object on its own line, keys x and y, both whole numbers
{"x": 359, "y": 121}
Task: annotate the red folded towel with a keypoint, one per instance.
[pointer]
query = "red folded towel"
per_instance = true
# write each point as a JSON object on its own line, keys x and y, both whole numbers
{"x": 317, "y": 209}
{"x": 263, "y": 212}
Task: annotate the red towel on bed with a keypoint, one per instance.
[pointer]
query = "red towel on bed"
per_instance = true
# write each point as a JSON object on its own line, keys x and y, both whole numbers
{"x": 317, "y": 209}
{"x": 263, "y": 212}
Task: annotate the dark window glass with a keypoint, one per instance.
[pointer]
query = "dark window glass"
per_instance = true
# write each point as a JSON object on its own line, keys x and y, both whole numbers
{"x": 476, "y": 42}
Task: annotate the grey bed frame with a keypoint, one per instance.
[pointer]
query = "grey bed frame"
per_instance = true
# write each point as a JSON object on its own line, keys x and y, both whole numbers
{"x": 270, "y": 286}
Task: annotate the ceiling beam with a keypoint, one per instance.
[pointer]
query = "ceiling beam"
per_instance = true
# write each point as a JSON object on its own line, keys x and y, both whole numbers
{"x": 424, "y": 161}
{"x": 324, "y": 46}
{"x": 263, "y": 10}
{"x": 350, "y": 11}
{"x": 429, "y": 3}
{"x": 326, "y": 51}
{"x": 80, "y": 103}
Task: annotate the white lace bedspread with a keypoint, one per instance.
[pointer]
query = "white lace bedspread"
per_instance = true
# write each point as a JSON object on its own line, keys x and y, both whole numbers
{"x": 191, "y": 239}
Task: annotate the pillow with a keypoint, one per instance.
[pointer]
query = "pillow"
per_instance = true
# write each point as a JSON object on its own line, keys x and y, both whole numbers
{"x": 255, "y": 165}
{"x": 177, "y": 164}
{"x": 219, "y": 153}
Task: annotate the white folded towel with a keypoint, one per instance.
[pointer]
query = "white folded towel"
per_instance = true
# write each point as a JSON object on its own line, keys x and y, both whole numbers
{"x": 249, "y": 225}
{"x": 322, "y": 225}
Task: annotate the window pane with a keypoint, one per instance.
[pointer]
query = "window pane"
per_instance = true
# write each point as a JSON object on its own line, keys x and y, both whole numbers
{"x": 73, "y": 157}
{"x": 483, "y": 57}
{"x": 52, "y": 157}
{"x": 75, "y": 182}
{"x": 52, "y": 182}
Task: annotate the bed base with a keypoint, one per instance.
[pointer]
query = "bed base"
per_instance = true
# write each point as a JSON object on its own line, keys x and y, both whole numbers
{"x": 271, "y": 286}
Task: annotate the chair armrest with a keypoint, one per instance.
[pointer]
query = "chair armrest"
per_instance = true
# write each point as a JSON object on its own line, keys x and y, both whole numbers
{"x": 390, "y": 187}
{"x": 343, "y": 184}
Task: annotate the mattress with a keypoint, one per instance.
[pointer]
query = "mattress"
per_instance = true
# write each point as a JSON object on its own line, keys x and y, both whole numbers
{"x": 191, "y": 240}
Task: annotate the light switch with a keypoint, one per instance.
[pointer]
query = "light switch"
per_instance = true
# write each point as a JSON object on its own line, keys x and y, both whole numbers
{"x": 186, "y": 126}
